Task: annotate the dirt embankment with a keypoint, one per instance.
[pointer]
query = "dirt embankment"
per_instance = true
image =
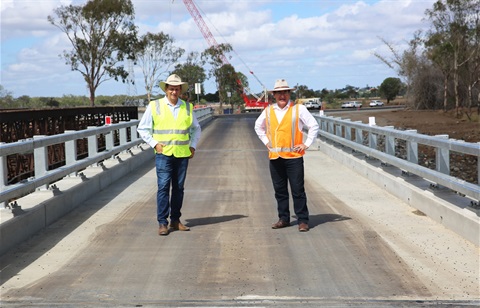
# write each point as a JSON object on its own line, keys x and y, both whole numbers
{"x": 425, "y": 122}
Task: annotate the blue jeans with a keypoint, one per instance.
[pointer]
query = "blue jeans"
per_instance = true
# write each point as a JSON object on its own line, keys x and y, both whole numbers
{"x": 170, "y": 171}
{"x": 283, "y": 172}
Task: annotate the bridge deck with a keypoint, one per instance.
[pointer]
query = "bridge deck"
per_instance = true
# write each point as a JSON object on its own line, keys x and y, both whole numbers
{"x": 365, "y": 247}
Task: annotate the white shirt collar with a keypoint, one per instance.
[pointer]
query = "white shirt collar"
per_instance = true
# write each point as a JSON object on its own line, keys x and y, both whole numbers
{"x": 284, "y": 108}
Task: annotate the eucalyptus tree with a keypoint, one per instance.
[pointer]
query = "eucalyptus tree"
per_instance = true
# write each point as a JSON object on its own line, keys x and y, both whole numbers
{"x": 241, "y": 87}
{"x": 440, "y": 53}
{"x": 215, "y": 56}
{"x": 102, "y": 34}
{"x": 6, "y": 98}
{"x": 156, "y": 54}
{"x": 191, "y": 71}
{"x": 455, "y": 36}
{"x": 232, "y": 85}
{"x": 351, "y": 91}
{"x": 301, "y": 91}
{"x": 408, "y": 64}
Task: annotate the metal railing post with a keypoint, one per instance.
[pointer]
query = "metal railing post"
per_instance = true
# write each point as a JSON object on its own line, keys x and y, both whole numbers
{"x": 358, "y": 136}
{"x": 133, "y": 133}
{"x": 478, "y": 167}
{"x": 70, "y": 151}
{"x": 109, "y": 142}
{"x": 338, "y": 130}
{"x": 331, "y": 127}
{"x": 442, "y": 157}
{"x": 40, "y": 161}
{"x": 324, "y": 125}
{"x": 372, "y": 141}
{"x": 92, "y": 143}
{"x": 123, "y": 135}
{"x": 390, "y": 143}
{"x": 412, "y": 149}
{"x": 348, "y": 133}
{"x": 3, "y": 175}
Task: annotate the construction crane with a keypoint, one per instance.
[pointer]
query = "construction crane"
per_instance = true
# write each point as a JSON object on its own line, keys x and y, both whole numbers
{"x": 197, "y": 17}
{"x": 250, "y": 105}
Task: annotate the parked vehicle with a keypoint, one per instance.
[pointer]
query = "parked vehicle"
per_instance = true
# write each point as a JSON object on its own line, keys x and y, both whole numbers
{"x": 376, "y": 103}
{"x": 312, "y": 105}
{"x": 352, "y": 104}
{"x": 347, "y": 105}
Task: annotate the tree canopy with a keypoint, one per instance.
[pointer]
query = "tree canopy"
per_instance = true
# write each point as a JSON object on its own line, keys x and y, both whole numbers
{"x": 390, "y": 88}
{"x": 191, "y": 71}
{"x": 215, "y": 56}
{"x": 102, "y": 34}
{"x": 156, "y": 53}
{"x": 441, "y": 67}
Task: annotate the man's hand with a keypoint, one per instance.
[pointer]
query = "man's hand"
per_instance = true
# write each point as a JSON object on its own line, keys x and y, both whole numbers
{"x": 300, "y": 147}
{"x": 192, "y": 150}
{"x": 159, "y": 148}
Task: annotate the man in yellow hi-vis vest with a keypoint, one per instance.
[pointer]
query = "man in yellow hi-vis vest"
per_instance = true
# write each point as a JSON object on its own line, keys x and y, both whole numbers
{"x": 280, "y": 126}
{"x": 170, "y": 127}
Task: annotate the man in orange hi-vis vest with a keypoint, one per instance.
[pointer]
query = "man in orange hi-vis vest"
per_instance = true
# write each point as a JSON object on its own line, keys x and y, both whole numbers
{"x": 279, "y": 127}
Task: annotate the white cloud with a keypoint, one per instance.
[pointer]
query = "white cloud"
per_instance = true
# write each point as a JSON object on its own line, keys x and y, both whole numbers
{"x": 26, "y": 18}
{"x": 349, "y": 10}
{"x": 320, "y": 44}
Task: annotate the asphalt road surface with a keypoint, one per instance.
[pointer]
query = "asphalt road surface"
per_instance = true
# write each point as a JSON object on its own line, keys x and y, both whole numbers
{"x": 365, "y": 247}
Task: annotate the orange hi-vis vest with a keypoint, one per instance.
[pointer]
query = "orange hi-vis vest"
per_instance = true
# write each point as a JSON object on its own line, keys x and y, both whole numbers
{"x": 285, "y": 135}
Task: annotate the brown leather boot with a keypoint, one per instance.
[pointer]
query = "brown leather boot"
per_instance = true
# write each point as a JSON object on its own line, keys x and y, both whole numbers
{"x": 280, "y": 224}
{"x": 176, "y": 225}
{"x": 303, "y": 227}
{"x": 163, "y": 230}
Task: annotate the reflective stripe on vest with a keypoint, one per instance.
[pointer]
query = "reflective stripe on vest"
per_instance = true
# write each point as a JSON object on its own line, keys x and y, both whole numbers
{"x": 283, "y": 144}
{"x": 171, "y": 131}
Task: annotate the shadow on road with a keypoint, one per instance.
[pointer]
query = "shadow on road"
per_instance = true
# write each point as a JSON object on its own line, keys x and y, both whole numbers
{"x": 319, "y": 219}
{"x": 212, "y": 220}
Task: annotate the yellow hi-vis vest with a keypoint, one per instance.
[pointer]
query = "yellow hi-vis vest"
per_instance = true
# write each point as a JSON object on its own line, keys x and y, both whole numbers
{"x": 285, "y": 135}
{"x": 174, "y": 133}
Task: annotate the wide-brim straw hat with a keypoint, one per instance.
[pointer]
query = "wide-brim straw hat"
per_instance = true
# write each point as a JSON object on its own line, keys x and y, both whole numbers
{"x": 174, "y": 80}
{"x": 281, "y": 85}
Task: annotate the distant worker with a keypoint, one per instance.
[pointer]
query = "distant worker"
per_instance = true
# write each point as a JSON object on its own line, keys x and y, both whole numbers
{"x": 279, "y": 127}
{"x": 170, "y": 127}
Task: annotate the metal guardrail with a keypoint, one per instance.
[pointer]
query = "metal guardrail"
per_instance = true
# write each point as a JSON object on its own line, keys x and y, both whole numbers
{"x": 340, "y": 131}
{"x": 203, "y": 114}
{"x": 38, "y": 146}
{"x": 331, "y": 128}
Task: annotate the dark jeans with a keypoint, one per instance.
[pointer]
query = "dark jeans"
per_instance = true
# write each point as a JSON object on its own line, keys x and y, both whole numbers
{"x": 170, "y": 170}
{"x": 284, "y": 171}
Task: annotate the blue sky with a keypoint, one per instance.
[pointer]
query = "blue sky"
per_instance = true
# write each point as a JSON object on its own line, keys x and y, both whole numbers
{"x": 320, "y": 44}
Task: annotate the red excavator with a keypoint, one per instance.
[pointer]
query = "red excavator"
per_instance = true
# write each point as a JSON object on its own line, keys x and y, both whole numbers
{"x": 251, "y": 104}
